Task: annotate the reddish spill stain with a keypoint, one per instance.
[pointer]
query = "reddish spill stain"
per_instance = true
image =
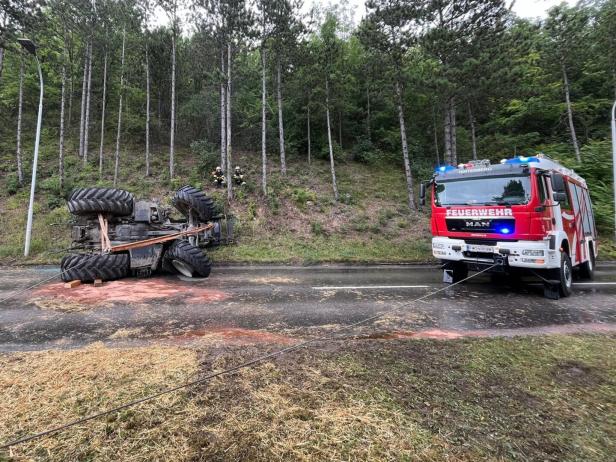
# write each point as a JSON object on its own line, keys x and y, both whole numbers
{"x": 237, "y": 335}
{"x": 131, "y": 291}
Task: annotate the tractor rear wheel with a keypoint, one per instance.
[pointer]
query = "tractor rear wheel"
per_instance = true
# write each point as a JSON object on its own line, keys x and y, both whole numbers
{"x": 88, "y": 267}
{"x": 92, "y": 201}
{"x": 188, "y": 198}
{"x": 184, "y": 258}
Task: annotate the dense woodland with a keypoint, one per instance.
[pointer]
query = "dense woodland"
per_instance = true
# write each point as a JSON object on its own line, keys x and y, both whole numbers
{"x": 414, "y": 84}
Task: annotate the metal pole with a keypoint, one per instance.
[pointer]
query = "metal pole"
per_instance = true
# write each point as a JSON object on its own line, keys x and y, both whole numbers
{"x": 614, "y": 160}
{"x": 35, "y": 161}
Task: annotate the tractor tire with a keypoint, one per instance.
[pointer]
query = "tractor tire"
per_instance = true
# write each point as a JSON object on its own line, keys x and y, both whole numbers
{"x": 184, "y": 258}
{"x": 188, "y": 198}
{"x": 92, "y": 201}
{"x": 88, "y": 267}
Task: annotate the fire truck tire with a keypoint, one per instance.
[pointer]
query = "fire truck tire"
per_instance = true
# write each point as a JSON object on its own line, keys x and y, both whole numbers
{"x": 187, "y": 198}
{"x": 184, "y": 258}
{"x": 459, "y": 272}
{"x": 587, "y": 269}
{"x": 88, "y": 267}
{"x": 564, "y": 275}
{"x": 88, "y": 201}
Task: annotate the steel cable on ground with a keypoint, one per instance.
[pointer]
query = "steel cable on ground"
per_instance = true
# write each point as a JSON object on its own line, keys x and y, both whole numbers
{"x": 234, "y": 369}
{"x": 25, "y": 289}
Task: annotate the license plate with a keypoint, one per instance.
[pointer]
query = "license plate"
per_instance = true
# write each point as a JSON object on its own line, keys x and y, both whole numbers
{"x": 480, "y": 248}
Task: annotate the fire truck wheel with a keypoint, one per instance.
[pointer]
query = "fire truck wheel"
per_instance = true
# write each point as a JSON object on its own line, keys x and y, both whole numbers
{"x": 184, "y": 258}
{"x": 587, "y": 269}
{"x": 88, "y": 267}
{"x": 188, "y": 198}
{"x": 88, "y": 201}
{"x": 459, "y": 272}
{"x": 564, "y": 275}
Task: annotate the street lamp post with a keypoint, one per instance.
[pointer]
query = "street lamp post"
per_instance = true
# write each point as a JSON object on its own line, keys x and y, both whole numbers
{"x": 30, "y": 47}
{"x": 614, "y": 160}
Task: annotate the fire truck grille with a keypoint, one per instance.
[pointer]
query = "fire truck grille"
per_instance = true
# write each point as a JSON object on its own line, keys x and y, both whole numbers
{"x": 485, "y": 225}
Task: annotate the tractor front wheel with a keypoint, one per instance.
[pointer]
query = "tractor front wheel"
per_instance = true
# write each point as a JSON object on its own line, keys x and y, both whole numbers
{"x": 184, "y": 258}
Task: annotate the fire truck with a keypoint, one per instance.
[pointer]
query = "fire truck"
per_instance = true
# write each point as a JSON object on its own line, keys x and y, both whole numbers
{"x": 524, "y": 215}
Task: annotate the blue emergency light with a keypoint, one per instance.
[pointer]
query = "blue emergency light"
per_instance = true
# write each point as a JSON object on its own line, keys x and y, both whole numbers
{"x": 444, "y": 168}
{"x": 504, "y": 230}
{"x": 521, "y": 160}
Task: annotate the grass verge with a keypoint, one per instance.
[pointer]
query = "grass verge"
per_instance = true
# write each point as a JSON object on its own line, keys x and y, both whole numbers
{"x": 531, "y": 398}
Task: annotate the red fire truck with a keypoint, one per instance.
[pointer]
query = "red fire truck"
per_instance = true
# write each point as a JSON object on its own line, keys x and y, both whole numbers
{"x": 526, "y": 214}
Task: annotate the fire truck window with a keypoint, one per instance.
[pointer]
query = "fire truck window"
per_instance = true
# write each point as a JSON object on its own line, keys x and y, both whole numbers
{"x": 543, "y": 195}
{"x": 575, "y": 198}
{"x": 587, "y": 211}
{"x": 591, "y": 217}
{"x": 566, "y": 204}
{"x": 507, "y": 190}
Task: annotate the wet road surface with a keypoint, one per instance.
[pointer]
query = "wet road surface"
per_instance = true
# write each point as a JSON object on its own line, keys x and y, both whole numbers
{"x": 282, "y": 304}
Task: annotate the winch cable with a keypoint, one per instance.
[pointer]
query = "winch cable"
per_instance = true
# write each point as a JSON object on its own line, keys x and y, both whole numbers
{"x": 26, "y": 289}
{"x": 238, "y": 367}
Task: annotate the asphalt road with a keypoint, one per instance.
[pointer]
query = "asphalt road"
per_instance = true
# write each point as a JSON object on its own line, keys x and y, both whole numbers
{"x": 282, "y": 304}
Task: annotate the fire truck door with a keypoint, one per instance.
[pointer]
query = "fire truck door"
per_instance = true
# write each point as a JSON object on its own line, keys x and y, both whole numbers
{"x": 578, "y": 237}
{"x": 548, "y": 212}
{"x": 566, "y": 211}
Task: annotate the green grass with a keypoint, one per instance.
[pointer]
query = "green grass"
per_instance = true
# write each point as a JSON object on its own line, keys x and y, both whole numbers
{"x": 506, "y": 399}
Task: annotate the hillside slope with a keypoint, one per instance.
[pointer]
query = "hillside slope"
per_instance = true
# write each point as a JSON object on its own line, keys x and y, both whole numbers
{"x": 298, "y": 222}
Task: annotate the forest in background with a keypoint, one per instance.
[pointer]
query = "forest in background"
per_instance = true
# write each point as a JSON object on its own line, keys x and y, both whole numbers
{"x": 415, "y": 84}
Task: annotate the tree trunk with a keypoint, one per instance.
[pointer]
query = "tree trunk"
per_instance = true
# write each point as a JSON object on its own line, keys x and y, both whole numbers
{"x": 223, "y": 113}
{"x": 172, "y": 127}
{"x": 405, "y": 148}
{"x": 368, "y": 122}
{"x": 454, "y": 133}
{"x": 71, "y": 92}
{"x": 340, "y": 129}
{"x": 451, "y": 154}
{"x": 228, "y": 124}
{"x": 471, "y": 119}
{"x": 104, "y": 102}
{"x": 1, "y": 60}
{"x": 86, "y": 129}
{"x": 20, "y": 172}
{"x": 160, "y": 113}
{"x": 447, "y": 136}
{"x": 574, "y": 140}
{"x": 263, "y": 123}
{"x": 116, "y": 170}
{"x": 329, "y": 140}
{"x": 283, "y": 160}
{"x": 84, "y": 89}
{"x": 309, "y": 146}
{"x": 436, "y": 150}
{"x": 147, "y": 111}
{"x": 61, "y": 148}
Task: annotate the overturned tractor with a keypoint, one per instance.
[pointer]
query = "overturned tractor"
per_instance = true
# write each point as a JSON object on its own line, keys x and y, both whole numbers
{"x": 119, "y": 236}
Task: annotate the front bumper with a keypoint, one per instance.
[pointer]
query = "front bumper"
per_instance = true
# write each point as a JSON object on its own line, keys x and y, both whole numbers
{"x": 520, "y": 254}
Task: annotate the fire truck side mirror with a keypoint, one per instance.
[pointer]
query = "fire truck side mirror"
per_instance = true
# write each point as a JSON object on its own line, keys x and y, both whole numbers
{"x": 422, "y": 194}
{"x": 559, "y": 196}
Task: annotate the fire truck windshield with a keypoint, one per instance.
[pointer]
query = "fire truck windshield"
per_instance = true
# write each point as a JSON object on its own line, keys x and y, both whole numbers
{"x": 504, "y": 190}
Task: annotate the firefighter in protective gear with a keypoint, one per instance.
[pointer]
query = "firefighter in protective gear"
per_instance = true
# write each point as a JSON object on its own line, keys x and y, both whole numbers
{"x": 219, "y": 177}
{"x": 238, "y": 177}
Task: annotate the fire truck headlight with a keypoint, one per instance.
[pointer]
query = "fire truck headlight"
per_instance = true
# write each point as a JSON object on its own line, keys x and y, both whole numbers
{"x": 533, "y": 253}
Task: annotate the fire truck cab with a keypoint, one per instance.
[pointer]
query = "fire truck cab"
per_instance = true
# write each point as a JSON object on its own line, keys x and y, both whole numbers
{"x": 526, "y": 214}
